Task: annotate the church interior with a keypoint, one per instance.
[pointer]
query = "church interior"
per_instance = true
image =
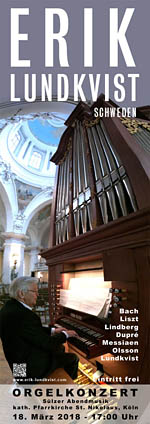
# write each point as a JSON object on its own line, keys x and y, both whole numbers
{"x": 75, "y": 212}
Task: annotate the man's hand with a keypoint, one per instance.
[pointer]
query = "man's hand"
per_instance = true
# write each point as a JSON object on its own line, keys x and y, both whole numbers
{"x": 59, "y": 330}
{"x": 71, "y": 333}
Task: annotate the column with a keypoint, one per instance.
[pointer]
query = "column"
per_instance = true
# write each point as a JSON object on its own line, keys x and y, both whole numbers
{"x": 13, "y": 256}
{"x": 34, "y": 252}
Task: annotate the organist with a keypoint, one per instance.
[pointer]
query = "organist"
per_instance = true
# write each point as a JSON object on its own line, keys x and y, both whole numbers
{"x": 35, "y": 350}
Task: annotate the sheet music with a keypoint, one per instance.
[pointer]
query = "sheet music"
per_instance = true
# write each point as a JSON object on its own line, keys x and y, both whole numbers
{"x": 95, "y": 302}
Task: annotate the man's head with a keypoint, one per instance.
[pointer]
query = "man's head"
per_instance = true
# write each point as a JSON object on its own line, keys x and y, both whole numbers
{"x": 25, "y": 289}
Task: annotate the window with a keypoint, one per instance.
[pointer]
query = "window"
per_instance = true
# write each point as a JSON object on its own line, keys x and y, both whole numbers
{"x": 35, "y": 160}
{"x": 14, "y": 141}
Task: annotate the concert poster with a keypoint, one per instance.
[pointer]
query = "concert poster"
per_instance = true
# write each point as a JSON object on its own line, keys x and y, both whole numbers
{"x": 54, "y": 55}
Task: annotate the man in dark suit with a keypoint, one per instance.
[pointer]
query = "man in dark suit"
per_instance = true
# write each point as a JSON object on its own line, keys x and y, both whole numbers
{"x": 24, "y": 339}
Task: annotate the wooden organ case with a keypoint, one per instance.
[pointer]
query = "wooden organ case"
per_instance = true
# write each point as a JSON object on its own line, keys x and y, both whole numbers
{"x": 99, "y": 252}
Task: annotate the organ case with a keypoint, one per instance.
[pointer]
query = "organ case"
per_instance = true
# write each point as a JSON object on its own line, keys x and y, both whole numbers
{"x": 98, "y": 256}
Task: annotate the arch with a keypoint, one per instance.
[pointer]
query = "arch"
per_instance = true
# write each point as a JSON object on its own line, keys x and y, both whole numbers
{"x": 8, "y": 196}
{"x": 38, "y": 203}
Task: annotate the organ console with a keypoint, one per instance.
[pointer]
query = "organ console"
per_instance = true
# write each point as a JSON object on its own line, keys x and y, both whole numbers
{"x": 99, "y": 250}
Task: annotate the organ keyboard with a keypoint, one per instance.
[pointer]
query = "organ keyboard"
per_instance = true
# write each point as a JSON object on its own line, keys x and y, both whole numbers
{"x": 88, "y": 340}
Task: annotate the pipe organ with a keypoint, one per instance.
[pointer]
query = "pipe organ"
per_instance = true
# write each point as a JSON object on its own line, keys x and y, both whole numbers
{"x": 99, "y": 251}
